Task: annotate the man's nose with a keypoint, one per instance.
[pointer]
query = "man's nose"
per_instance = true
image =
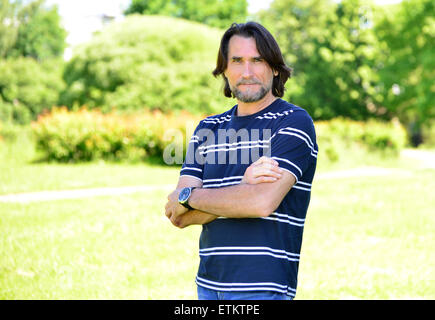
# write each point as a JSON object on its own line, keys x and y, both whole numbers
{"x": 247, "y": 70}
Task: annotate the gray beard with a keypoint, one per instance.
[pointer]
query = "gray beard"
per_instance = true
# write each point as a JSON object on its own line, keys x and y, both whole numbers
{"x": 250, "y": 97}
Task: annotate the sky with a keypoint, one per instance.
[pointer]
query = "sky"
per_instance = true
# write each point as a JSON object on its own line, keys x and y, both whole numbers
{"x": 80, "y": 17}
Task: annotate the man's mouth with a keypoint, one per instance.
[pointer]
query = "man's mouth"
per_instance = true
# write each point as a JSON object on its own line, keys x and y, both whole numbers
{"x": 248, "y": 84}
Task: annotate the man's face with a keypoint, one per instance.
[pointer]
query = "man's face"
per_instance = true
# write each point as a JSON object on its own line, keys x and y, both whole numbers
{"x": 250, "y": 77}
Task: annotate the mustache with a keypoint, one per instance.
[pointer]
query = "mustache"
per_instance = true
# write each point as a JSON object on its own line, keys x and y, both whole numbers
{"x": 248, "y": 82}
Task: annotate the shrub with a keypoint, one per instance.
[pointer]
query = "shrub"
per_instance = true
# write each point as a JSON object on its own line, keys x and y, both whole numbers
{"x": 27, "y": 87}
{"x": 86, "y": 135}
{"x": 15, "y": 113}
{"x": 148, "y": 62}
{"x": 429, "y": 135}
{"x": 8, "y": 132}
{"x": 340, "y": 134}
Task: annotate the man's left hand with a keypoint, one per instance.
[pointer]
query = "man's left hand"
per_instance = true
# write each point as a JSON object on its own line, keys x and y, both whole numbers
{"x": 173, "y": 208}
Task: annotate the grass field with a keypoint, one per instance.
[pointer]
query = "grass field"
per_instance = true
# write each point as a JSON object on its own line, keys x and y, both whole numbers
{"x": 365, "y": 237}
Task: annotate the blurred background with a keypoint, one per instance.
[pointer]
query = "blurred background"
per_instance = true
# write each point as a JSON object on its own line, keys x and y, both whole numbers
{"x": 89, "y": 90}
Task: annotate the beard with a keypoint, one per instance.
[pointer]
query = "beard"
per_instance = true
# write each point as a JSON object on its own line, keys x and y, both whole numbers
{"x": 249, "y": 96}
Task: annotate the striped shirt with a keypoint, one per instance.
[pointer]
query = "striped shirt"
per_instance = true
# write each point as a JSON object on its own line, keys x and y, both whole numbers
{"x": 254, "y": 254}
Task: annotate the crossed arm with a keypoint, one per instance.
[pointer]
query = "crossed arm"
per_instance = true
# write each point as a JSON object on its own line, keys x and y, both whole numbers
{"x": 262, "y": 189}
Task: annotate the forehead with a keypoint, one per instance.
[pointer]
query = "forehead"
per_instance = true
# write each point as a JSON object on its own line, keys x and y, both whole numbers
{"x": 239, "y": 46}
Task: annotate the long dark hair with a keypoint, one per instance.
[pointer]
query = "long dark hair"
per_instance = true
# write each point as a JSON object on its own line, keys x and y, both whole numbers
{"x": 266, "y": 46}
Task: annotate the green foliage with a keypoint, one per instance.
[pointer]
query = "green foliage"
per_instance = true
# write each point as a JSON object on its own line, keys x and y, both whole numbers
{"x": 90, "y": 135}
{"x": 86, "y": 135}
{"x": 8, "y": 27}
{"x": 28, "y": 87}
{"x": 428, "y": 133}
{"x": 40, "y": 34}
{"x": 31, "y": 41}
{"x": 357, "y": 60}
{"x": 339, "y": 136}
{"x": 9, "y": 132}
{"x": 30, "y": 30}
{"x": 14, "y": 113}
{"x": 147, "y": 62}
{"x": 408, "y": 38}
{"x": 333, "y": 51}
{"x": 216, "y": 13}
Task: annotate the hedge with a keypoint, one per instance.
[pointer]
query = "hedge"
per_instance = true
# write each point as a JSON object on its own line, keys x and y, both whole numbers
{"x": 334, "y": 136}
{"x": 86, "y": 135}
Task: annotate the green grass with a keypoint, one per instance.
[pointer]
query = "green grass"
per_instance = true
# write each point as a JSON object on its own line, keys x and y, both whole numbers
{"x": 37, "y": 177}
{"x": 20, "y": 171}
{"x": 361, "y": 240}
{"x": 365, "y": 237}
{"x": 101, "y": 248}
{"x": 370, "y": 238}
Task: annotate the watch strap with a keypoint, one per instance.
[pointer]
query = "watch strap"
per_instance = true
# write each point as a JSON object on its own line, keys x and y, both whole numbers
{"x": 186, "y": 203}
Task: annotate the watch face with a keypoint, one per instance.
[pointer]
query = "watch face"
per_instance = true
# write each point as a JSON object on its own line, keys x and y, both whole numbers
{"x": 184, "y": 194}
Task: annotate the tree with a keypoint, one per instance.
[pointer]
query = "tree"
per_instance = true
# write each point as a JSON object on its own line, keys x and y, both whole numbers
{"x": 149, "y": 62}
{"x": 408, "y": 37}
{"x": 27, "y": 87}
{"x": 30, "y": 30}
{"x": 40, "y": 34}
{"x": 216, "y": 13}
{"x": 31, "y": 44}
{"x": 333, "y": 50}
{"x": 8, "y": 26}
{"x": 298, "y": 26}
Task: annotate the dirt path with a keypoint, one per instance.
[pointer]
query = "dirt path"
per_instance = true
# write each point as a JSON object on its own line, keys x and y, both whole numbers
{"x": 79, "y": 193}
{"x": 426, "y": 159}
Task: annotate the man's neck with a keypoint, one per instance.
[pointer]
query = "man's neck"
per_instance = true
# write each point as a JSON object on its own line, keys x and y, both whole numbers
{"x": 246, "y": 109}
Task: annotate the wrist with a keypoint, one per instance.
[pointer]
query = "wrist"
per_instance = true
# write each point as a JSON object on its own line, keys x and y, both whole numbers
{"x": 192, "y": 199}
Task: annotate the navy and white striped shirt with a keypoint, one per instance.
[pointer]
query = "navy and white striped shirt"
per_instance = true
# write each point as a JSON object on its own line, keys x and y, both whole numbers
{"x": 254, "y": 254}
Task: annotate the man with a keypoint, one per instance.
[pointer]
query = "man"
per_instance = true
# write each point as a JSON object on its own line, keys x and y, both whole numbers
{"x": 247, "y": 176}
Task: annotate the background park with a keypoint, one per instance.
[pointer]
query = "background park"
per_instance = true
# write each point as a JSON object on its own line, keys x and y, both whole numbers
{"x": 83, "y": 183}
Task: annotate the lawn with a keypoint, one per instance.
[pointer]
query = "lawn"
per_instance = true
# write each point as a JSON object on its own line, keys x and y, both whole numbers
{"x": 370, "y": 238}
{"x": 365, "y": 237}
{"x": 101, "y": 248}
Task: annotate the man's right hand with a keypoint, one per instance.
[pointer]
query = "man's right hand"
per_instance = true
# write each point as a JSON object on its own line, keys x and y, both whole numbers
{"x": 264, "y": 169}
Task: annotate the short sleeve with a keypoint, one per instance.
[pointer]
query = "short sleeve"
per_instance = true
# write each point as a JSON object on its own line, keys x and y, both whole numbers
{"x": 193, "y": 166}
{"x": 294, "y": 145}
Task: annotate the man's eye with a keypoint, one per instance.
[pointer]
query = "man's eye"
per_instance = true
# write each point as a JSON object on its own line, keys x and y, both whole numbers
{"x": 258, "y": 59}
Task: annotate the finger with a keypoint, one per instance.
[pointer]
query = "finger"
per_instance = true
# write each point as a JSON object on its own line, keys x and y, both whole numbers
{"x": 260, "y": 161}
{"x": 168, "y": 213}
{"x": 276, "y": 169}
{"x": 264, "y": 160}
{"x": 176, "y": 222}
{"x": 264, "y": 169}
{"x": 263, "y": 179}
{"x": 261, "y": 171}
{"x": 272, "y": 161}
{"x": 268, "y": 165}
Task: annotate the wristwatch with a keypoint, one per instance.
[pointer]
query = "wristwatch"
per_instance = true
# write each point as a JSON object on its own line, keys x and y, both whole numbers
{"x": 183, "y": 197}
